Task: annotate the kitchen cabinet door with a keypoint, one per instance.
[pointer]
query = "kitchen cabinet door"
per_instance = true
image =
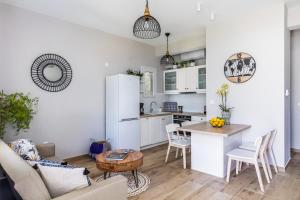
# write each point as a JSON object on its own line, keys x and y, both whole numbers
{"x": 181, "y": 80}
{"x": 191, "y": 79}
{"x": 155, "y": 129}
{"x": 164, "y": 121}
{"x": 170, "y": 82}
{"x": 201, "y": 79}
{"x": 198, "y": 119}
{"x": 145, "y": 132}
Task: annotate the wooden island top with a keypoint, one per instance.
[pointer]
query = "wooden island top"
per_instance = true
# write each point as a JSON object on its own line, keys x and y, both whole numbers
{"x": 206, "y": 128}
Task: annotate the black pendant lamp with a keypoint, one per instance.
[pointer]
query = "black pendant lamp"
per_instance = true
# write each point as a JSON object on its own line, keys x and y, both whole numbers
{"x": 146, "y": 27}
{"x": 167, "y": 59}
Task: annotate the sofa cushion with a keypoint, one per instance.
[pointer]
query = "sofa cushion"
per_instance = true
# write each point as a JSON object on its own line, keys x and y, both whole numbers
{"x": 26, "y": 149}
{"x": 27, "y": 182}
{"x": 61, "y": 179}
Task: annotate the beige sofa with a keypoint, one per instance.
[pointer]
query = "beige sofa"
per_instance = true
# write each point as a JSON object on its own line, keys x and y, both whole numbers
{"x": 29, "y": 185}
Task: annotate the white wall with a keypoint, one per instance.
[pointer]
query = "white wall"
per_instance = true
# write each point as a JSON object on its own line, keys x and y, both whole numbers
{"x": 260, "y": 101}
{"x": 295, "y": 93}
{"x": 294, "y": 17}
{"x": 68, "y": 118}
{"x": 287, "y": 87}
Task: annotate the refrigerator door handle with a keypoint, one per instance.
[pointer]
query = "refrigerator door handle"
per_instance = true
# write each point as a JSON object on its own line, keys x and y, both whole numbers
{"x": 129, "y": 119}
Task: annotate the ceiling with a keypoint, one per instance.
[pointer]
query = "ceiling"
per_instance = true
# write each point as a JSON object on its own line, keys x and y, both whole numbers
{"x": 179, "y": 17}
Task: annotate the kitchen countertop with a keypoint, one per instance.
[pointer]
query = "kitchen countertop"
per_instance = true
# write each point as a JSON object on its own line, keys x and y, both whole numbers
{"x": 174, "y": 113}
{"x": 206, "y": 128}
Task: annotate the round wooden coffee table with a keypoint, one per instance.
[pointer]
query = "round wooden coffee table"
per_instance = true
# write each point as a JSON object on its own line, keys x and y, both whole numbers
{"x": 132, "y": 162}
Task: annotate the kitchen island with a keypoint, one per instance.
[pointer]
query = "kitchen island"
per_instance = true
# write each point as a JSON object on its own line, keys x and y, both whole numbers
{"x": 209, "y": 146}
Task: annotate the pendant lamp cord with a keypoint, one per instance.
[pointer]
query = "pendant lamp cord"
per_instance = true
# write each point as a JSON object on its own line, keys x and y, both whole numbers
{"x": 147, "y": 12}
{"x": 167, "y": 45}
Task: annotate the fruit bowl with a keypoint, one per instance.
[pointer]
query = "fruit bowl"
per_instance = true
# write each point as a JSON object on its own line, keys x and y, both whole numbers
{"x": 217, "y": 122}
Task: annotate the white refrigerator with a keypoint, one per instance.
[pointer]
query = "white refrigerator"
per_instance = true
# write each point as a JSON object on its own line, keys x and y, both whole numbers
{"x": 122, "y": 111}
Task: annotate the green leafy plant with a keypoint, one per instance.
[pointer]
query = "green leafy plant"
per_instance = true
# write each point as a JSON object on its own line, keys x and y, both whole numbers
{"x": 223, "y": 92}
{"x": 16, "y": 110}
{"x": 135, "y": 73}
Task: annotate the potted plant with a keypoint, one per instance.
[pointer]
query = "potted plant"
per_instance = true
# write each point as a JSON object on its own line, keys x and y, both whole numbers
{"x": 225, "y": 110}
{"x": 16, "y": 110}
{"x": 134, "y": 73}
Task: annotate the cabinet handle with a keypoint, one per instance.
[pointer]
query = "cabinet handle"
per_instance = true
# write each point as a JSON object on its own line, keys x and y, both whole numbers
{"x": 163, "y": 119}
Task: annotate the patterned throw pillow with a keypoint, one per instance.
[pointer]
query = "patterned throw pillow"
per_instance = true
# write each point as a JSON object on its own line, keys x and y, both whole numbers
{"x": 62, "y": 179}
{"x": 26, "y": 149}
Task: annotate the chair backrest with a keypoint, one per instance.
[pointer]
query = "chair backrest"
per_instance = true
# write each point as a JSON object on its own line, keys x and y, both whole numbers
{"x": 186, "y": 123}
{"x": 272, "y": 138}
{"x": 171, "y": 128}
{"x": 265, "y": 142}
{"x": 258, "y": 143}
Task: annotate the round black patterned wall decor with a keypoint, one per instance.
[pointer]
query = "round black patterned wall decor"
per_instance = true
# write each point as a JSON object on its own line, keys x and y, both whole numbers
{"x": 240, "y": 67}
{"x": 51, "y": 72}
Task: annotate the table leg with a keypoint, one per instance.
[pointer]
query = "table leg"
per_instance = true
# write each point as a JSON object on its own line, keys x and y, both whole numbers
{"x": 136, "y": 178}
{"x": 105, "y": 175}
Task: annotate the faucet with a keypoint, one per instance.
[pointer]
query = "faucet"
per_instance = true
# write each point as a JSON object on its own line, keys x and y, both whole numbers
{"x": 151, "y": 106}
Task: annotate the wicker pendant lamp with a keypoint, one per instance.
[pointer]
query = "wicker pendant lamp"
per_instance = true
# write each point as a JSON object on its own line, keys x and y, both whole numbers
{"x": 167, "y": 59}
{"x": 146, "y": 27}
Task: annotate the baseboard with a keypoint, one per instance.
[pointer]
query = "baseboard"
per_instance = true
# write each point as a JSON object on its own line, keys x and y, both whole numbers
{"x": 76, "y": 158}
{"x": 293, "y": 150}
{"x": 153, "y": 145}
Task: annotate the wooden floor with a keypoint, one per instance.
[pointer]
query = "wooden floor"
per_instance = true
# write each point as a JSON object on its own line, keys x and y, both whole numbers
{"x": 170, "y": 181}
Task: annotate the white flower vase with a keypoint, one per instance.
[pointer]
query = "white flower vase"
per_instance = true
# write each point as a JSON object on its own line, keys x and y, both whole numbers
{"x": 226, "y": 116}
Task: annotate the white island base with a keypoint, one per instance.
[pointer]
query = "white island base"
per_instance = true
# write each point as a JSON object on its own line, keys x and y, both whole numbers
{"x": 209, "y": 146}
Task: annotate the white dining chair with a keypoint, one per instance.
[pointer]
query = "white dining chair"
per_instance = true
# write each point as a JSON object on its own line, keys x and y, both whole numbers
{"x": 177, "y": 142}
{"x": 242, "y": 155}
{"x": 270, "y": 150}
{"x": 187, "y": 123}
{"x": 268, "y": 154}
{"x": 262, "y": 155}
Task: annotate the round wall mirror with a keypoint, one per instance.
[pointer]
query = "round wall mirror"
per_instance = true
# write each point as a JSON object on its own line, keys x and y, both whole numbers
{"x": 51, "y": 72}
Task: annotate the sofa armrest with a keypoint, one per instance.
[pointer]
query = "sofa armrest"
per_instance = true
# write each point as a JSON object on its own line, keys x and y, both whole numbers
{"x": 114, "y": 188}
{"x": 46, "y": 150}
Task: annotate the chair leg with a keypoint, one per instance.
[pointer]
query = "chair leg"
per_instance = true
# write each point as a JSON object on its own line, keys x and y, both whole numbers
{"x": 184, "y": 157}
{"x": 237, "y": 164}
{"x": 268, "y": 165}
{"x": 259, "y": 177}
{"x": 228, "y": 169}
{"x": 168, "y": 151}
{"x": 273, "y": 160}
{"x": 262, "y": 159}
{"x": 176, "y": 155}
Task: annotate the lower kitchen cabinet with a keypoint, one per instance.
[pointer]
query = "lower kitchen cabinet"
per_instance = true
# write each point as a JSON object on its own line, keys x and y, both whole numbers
{"x": 153, "y": 130}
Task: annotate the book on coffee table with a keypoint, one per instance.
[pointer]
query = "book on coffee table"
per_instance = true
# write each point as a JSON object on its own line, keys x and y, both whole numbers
{"x": 116, "y": 156}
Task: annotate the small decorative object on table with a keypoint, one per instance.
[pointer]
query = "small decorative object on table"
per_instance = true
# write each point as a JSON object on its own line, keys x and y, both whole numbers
{"x": 117, "y": 156}
{"x": 226, "y": 111}
{"x": 217, "y": 122}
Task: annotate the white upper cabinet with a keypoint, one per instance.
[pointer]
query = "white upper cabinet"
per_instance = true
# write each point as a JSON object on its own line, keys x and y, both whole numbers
{"x": 181, "y": 80}
{"x": 170, "y": 82}
{"x": 201, "y": 79}
{"x": 190, "y": 79}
